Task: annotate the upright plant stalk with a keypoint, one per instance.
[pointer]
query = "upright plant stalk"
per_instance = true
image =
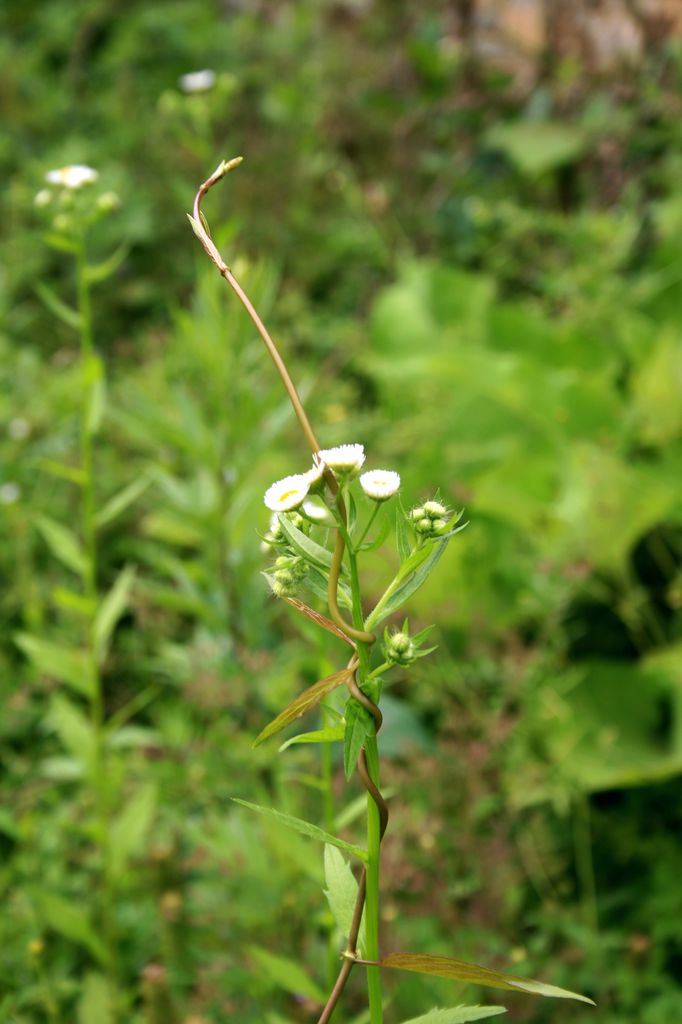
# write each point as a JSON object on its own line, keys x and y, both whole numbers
{"x": 368, "y": 760}
{"x": 90, "y": 567}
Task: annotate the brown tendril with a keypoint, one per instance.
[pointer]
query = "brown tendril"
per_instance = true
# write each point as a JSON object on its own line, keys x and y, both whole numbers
{"x": 201, "y": 230}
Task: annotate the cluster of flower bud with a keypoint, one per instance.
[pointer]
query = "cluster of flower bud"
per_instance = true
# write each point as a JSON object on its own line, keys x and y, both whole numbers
{"x": 430, "y": 519}
{"x": 290, "y": 571}
{"x": 401, "y": 648}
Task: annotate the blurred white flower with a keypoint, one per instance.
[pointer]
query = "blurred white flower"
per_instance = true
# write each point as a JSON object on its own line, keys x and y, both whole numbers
{"x": 317, "y": 513}
{"x": 344, "y": 459}
{"x": 380, "y": 484}
{"x": 19, "y": 428}
{"x": 73, "y": 176}
{"x": 9, "y": 493}
{"x": 197, "y": 81}
{"x": 287, "y": 494}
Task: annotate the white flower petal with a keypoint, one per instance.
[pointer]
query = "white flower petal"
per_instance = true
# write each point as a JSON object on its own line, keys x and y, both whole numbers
{"x": 380, "y": 484}
{"x": 197, "y": 81}
{"x": 287, "y": 494}
{"x": 72, "y": 176}
{"x": 345, "y": 458}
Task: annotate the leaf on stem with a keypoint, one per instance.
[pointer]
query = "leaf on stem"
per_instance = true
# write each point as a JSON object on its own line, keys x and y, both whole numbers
{"x": 306, "y": 828}
{"x": 70, "y": 664}
{"x": 359, "y": 725}
{"x": 62, "y": 542}
{"x": 457, "y": 1015}
{"x": 310, "y": 698}
{"x": 65, "y": 313}
{"x": 304, "y": 546}
{"x": 111, "y": 609}
{"x": 342, "y": 892}
{"x": 372, "y": 545}
{"x": 318, "y": 619}
{"x": 331, "y": 734}
{"x": 120, "y": 502}
{"x": 402, "y": 536}
{"x": 286, "y": 973}
{"x": 460, "y": 970}
{"x": 94, "y": 273}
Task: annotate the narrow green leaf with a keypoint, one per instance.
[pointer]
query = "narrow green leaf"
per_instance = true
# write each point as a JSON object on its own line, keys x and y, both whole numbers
{"x": 460, "y": 970}
{"x": 310, "y": 698}
{"x": 120, "y": 502}
{"x": 57, "y": 307}
{"x": 341, "y": 892}
{"x": 287, "y": 973}
{"x": 129, "y": 830}
{"x": 359, "y": 725}
{"x": 304, "y": 546}
{"x": 458, "y": 1015}
{"x": 63, "y": 472}
{"x": 95, "y": 1003}
{"x": 330, "y": 735}
{"x": 319, "y": 620}
{"x": 402, "y": 536}
{"x": 74, "y": 729}
{"x": 71, "y": 919}
{"x": 304, "y": 827}
{"x": 95, "y": 273}
{"x": 111, "y": 609}
{"x": 69, "y": 664}
{"x": 317, "y": 582}
{"x": 62, "y": 542}
{"x": 411, "y": 584}
{"x": 372, "y": 545}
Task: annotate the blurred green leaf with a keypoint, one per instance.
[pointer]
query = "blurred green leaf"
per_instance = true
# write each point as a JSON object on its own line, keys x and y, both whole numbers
{"x": 111, "y": 608}
{"x": 95, "y": 1002}
{"x": 53, "y": 660}
{"x": 536, "y": 147}
{"x": 128, "y": 831}
{"x": 288, "y": 974}
{"x": 68, "y": 918}
{"x": 62, "y": 542}
{"x": 66, "y": 314}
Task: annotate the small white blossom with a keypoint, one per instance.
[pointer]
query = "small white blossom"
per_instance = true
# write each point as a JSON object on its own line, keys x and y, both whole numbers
{"x": 197, "y": 81}
{"x": 317, "y": 513}
{"x": 344, "y": 459}
{"x": 19, "y": 428}
{"x": 380, "y": 484}
{"x": 73, "y": 176}
{"x": 9, "y": 493}
{"x": 287, "y": 494}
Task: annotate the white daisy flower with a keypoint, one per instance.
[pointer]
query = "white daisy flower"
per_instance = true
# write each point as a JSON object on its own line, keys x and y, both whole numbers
{"x": 317, "y": 513}
{"x": 380, "y": 484}
{"x": 73, "y": 176}
{"x": 197, "y": 81}
{"x": 287, "y": 494}
{"x": 345, "y": 459}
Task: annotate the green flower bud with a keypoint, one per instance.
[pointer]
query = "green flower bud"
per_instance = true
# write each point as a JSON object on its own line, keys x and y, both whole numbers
{"x": 434, "y": 510}
{"x": 439, "y": 526}
{"x": 399, "y": 648}
{"x": 423, "y": 526}
{"x": 416, "y": 514}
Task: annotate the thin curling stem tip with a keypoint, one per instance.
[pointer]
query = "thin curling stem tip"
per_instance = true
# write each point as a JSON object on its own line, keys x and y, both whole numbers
{"x": 224, "y": 166}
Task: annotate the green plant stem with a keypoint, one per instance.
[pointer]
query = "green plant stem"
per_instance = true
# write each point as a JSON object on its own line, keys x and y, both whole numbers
{"x": 373, "y": 817}
{"x": 372, "y": 891}
{"x": 89, "y": 529}
{"x": 369, "y": 523}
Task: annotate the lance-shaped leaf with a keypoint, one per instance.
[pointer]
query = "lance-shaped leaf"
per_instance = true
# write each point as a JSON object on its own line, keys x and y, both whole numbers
{"x": 306, "y": 828}
{"x": 460, "y": 970}
{"x": 331, "y": 734}
{"x": 310, "y": 698}
{"x": 320, "y": 620}
{"x": 304, "y": 546}
{"x": 457, "y": 1015}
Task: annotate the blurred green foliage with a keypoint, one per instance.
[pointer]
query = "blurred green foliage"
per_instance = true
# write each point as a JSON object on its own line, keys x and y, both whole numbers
{"x": 483, "y": 285}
